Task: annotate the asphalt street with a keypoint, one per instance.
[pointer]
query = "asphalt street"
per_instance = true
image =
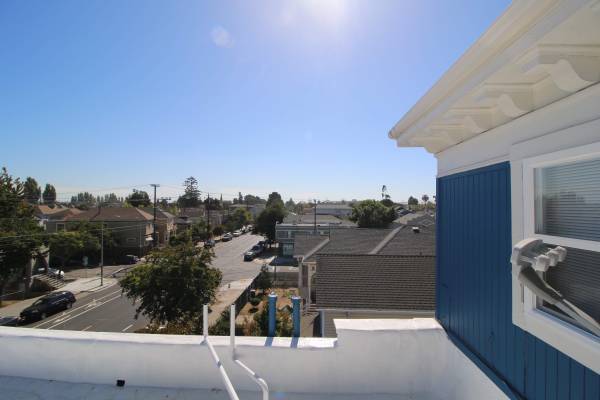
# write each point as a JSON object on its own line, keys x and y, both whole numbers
{"x": 107, "y": 310}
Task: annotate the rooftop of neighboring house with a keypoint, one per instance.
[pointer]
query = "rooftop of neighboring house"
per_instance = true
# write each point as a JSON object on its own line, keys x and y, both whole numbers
{"x": 56, "y": 212}
{"x": 376, "y": 282}
{"x": 309, "y": 219}
{"x": 160, "y": 214}
{"x": 323, "y": 206}
{"x": 111, "y": 214}
{"x": 191, "y": 212}
{"x": 415, "y": 238}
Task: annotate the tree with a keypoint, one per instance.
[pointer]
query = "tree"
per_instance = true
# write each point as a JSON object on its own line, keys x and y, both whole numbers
{"x": 20, "y": 234}
{"x": 138, "y": 198}
{"x": 83, "y": 200}
{"x": 65, "y": 245}
{"x": 49, "y": 194}
{"x": 425, "y": 198}
{"x": 240, "y": 217}
{"x": 199, "y": 231}
{"x": 290, "y": 205}
{"x": 267, "y": 219}
{"x": 191, "y": 196}
{"x": 263, "y": 281}
{"x": 252, "y": 200}
{"x": 372, "y": 214}
{"x": 180, "y": 238}
{"x": 173, "y": 284}
{"x": 275, "y": 200}
{"x": 32, "y": 191}
{"x": 218, "y": 230}
{"x": 412, "y": 202}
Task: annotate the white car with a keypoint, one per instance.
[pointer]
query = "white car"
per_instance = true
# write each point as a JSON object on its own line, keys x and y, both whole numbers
{"x": 56, "y": 273}
{"x": 237, "y": 233}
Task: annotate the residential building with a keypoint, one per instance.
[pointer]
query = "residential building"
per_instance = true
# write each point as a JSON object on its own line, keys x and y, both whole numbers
{"x": 340, "y": 210}
{"x": 165, "y": 224}
{"x": 363, "y": 286}
{"x": 414, "y": 241}
{"x": 253, "y": 209}
{"x": 56, "y": 212}
{"x": 130, "y": 227}
{"x": 296, "y": 224}
{"x": 515, "y": 128}
{"x": 191, "y": 215}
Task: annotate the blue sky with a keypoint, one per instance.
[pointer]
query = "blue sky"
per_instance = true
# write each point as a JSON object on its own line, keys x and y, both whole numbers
{"x": 250, "y": 96}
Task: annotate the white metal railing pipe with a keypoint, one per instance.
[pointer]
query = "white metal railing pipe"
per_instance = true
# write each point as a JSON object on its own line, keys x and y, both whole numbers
{"x": 262, "y": 384}
{"x": 226, "y": 381}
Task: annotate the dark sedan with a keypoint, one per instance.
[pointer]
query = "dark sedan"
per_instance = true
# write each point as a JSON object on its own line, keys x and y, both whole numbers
{"x": 47, "y": 305}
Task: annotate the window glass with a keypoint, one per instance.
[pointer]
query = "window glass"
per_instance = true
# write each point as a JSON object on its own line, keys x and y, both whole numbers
{"x": 567, "y": 200}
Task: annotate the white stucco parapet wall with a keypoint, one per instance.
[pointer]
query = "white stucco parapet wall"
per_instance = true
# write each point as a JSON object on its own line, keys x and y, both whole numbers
{"x": 412, "y": 358}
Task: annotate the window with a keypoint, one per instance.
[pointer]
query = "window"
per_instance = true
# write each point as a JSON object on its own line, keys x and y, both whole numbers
{"x": 561, "y": 206}
{"x": 60, "y": 227}
{"x": 282, "y": 234}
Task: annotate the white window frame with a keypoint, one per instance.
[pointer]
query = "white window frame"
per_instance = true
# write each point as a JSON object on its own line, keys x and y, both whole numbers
{"x": 576, "y": 343}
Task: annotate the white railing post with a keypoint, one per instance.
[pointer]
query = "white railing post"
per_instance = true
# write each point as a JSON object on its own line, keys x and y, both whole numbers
{"x": 226, "y": 381}
{"x": 253, "y": 375}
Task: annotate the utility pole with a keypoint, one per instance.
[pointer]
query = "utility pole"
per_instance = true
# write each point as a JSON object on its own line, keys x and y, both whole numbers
{"x": 101, "y": 245}
{"x": 154, "y": 238}
{"x": 208, "y": 214}
{"x": 315, "y": 200}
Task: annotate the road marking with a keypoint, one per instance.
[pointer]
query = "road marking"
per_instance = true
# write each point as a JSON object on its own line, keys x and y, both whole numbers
{"x": 60, "y": 316}
{"x": 86, "y": 328}
{"x": 84, "y": 312}
{"x": 127, "y": 327}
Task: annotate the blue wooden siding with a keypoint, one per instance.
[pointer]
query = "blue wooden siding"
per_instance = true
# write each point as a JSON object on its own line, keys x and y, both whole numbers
{"x": 474, "y": 290}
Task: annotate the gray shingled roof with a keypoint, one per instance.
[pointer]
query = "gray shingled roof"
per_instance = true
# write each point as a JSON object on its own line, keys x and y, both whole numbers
{"x": 375, "y": 282}
{"x": 408, "y": 243}
{"x": 322, "y": 219}
{"x": 304, "y": 244}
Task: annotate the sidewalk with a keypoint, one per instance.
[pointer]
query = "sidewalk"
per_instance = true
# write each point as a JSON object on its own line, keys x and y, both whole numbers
{"x": 227, "y": 295}
{"x": 78, "y": 286}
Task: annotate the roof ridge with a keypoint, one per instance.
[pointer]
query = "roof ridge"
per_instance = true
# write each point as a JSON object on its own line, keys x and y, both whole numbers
{"x": 317, "y": 248}
{"x": 385, "y": 240}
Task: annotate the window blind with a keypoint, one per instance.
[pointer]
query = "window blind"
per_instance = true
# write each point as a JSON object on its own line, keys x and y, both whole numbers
{"x": 567, "y": 200}
{"x": 578, "y": 280}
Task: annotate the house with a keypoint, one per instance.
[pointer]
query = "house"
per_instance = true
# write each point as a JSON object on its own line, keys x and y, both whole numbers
{"x": 416, "y": 240}
{"x": 304, "y": 224}
{"x": 165, "y": 224}
{"x": 336, "y": 209}
{"x": 515, "y": 127}
{"x": 191, "y": 215}
{"x": 56, "y": 212}
{"x": 130, "y": 227}
{"x": 363, "y": 286}
{"x": 253, "y": 209}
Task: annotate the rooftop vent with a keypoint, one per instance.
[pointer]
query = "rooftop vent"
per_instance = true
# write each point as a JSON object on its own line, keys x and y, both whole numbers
{"x": 416, "y": 229}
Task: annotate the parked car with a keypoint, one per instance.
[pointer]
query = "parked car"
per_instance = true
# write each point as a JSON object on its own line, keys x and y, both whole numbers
{"x": 56, "y": 273}
{"x": 226, "y": 237}
{"x": 237, "y": 233}
{"x": 249, "y": 255}
{"x": 9, "y": 321}
{"x": 130, "y": 259}
{"x": 209, "y": 243}
{"x": 48, "y": 305}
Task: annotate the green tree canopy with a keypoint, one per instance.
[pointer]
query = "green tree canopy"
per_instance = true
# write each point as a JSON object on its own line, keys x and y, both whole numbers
{"x": 372, "y": 214}
{"x": 49, "y": 194}
{"x": 263, "y": 281}
{"x": 21, "y": 237}
{"x": 290, "y": 205}
{"x": 32, "y": 191}
{"x": 173, "y": 284}
{"x": 191, "y": 196}
{"x": 199, "y": 231}
{"x": 267, "y": 219}
{"x": 218, "y": 230}
{"x": 65, "y": 245}
{"x": 83, "y": 200}
{"x": 138, "y": 198}
{"x": 275, "y": 200}
{"x": 240, "y": 217}
{"x": 412, "y": 201}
